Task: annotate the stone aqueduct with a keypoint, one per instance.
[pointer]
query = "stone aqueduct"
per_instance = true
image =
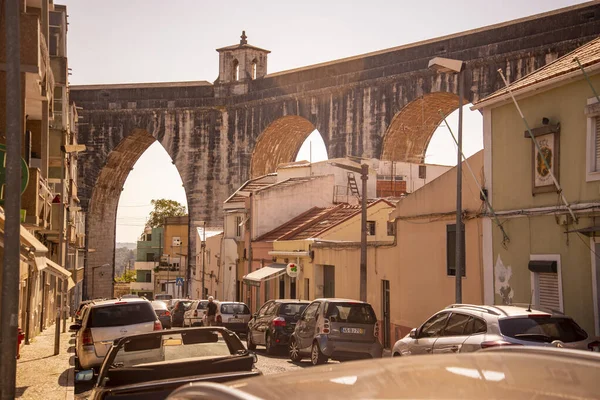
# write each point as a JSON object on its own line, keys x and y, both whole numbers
{"x": 383, "y": 104}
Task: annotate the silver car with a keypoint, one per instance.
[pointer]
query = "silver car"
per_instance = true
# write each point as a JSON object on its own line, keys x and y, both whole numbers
{"x": 463, "y": 328}
{"x": 339, "y": 329}
{"x": 233, "y": 316}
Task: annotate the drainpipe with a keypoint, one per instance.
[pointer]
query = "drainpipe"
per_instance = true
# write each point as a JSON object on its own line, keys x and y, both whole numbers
{"x": 250, "y": 222}
{"x": 30, "y": 280}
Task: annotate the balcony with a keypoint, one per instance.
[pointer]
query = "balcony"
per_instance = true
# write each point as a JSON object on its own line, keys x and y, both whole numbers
{"x": 59, "y": 70}
{"x": 80, "y": 242}
{"x": 37, "y": 202}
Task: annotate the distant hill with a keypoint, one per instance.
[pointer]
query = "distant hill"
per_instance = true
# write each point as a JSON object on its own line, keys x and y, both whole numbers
{"x": 124, "y": 257}
{"x": 130, "y": 246}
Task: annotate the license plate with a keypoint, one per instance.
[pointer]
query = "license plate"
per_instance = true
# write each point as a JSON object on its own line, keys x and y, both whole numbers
{"x": 359, "y": 331}
{"x": 235, "y": 320}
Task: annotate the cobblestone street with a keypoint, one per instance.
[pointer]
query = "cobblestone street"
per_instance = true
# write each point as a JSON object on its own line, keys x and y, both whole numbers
{"x": 41, "y": 374}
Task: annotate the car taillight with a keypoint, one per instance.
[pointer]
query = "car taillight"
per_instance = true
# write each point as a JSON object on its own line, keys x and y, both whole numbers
{"x": 86, "y": 337}
{"x": 168, "y": 314}
{"x": 219, "y": 319}
{"x": 495, "y": 343}
{"x": 376, "y": 330}
{"x": 157, "y": 325}
{"x": 279, "y": 321}
{"x": 594, "y": 346}
{"x": 195, "y": 313}
{"x": 325, "y": 325}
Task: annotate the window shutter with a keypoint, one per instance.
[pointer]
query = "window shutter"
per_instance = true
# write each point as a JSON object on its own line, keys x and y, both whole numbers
{"x": 597, "y": 145}
{"x": 548, "y": 295}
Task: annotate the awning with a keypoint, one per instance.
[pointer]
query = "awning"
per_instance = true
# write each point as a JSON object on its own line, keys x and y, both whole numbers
{"x": 589, "y": 231}
{"x": 542, "y": 266}
{"x": 30, "y": 240}
{"x": 267, "y": 273}
{"x": 56, "y": 269}
{"x": 70, "y": 284}
{"x": 40, "y": 262}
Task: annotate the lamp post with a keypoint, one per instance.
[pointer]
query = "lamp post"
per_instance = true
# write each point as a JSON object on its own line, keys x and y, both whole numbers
{"x": 447, "y": 65}
{"x": 364, "y": 176}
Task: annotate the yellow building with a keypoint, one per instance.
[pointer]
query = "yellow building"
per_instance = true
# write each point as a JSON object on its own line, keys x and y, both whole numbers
{"x": 552, "y": 255}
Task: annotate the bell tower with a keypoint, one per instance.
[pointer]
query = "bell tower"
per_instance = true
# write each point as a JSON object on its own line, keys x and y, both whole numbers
{"x": 241, "y": 63}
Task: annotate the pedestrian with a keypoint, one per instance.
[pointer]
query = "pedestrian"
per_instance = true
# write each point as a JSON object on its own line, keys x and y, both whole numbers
{"x": 211, "y": 311}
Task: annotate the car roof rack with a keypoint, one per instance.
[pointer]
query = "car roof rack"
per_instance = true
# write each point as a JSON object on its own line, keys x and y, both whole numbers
{"x": 487, "y": 309}
{"x": 538, "y": 307}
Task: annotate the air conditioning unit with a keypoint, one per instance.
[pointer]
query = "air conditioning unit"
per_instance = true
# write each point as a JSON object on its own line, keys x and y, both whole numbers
{"x": 176, "y": 241}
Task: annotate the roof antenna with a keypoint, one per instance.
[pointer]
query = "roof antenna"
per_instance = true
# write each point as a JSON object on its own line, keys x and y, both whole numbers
{"x": 530, "y": 300}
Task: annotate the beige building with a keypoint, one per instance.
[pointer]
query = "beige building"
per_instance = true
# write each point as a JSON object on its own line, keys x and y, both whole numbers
{"x": 209, "y": 265}
{"x": 551, "y": 256}
{"x": 52, "y": 225}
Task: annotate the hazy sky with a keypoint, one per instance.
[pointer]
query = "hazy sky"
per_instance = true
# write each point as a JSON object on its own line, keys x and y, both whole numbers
{"x": 118, "y": 41}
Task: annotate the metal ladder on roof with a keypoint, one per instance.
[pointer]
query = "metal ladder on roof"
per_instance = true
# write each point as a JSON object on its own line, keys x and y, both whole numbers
{"x": 352, "y": 185}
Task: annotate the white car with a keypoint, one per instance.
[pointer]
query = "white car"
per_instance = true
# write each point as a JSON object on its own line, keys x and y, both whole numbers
{"x": 194, "y": 316}
{"x": 108, "y": 320}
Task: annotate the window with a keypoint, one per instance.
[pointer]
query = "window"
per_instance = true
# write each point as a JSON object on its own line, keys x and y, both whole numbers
{"x": 451, "y": 250}
{"x": 351, "y": 313}
{"x": 263, "y": 309}
{"x": 371, "y": 228}
{"x": 254, "y": 64}
{"x": 391, "y": 228}
{"x": 542, "y": 329}
{"x": 422, "y": 172}
{"x": 238, "y": 226}
{"x": 474, "y": 326}
{"x": 456, "y": 325}
{"x": 149, "y": 256}
{"x": 433, "y": 327}
{"x": 148, "y": 237}
{"x": 292, "y": 309}
{"x": 546, "y": 281}
{"x": 122, "y": 314}
{"x": 236, "y": 71}
{"x": 311, "y": 311}
{"x": 592, "y": 112}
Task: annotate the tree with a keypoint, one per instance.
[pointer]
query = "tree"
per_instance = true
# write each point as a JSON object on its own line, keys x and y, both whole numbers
{"x": 128, "y": 276}
{"x": 164, "y": 208}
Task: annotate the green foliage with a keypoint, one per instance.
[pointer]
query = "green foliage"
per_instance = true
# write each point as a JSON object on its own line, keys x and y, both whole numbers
{"x": 164, "y": 208}
{"x": 128, "y": 276}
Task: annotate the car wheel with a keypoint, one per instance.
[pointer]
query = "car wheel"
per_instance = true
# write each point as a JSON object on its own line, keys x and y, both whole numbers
{"x": 396, "y": 355}
{"x": 294, "y": 351}
{"x": 250, "y": 343}
{"x": 269, "y": 345}
{"x": 316, "y": 356}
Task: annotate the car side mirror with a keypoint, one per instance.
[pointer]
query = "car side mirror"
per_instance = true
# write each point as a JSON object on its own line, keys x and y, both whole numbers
{"x": 75, "y": 327}
{"x": 413, "y": 333}
{"x": 84, "y": 376}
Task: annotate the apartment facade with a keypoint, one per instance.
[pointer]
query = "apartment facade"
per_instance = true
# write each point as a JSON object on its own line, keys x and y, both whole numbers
{"x": 551, "y": 255}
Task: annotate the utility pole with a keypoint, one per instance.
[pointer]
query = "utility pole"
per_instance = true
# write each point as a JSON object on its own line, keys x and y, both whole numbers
{"x": 364, "y": 176}
{"x": 12, "y": 204}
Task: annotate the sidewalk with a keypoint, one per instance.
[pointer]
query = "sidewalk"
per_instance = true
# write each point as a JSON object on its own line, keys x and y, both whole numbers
{"x": 41, "y": 374}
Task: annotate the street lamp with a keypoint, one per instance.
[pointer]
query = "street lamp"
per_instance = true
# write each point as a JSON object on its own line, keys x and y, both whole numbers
{"x": 364, "y": 176}
{"x": 447, "y": 65}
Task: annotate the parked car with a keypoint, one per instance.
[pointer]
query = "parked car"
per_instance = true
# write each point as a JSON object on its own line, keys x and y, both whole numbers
{"x": 233, "y": 316}
{"x": 496, "y": 374}
{"x": 463, "y": 328}
{"x": 178, "y": 311}
{"x": 79, "y": 312}
{"x": 163, "y": 313}
{"x": 152, "y": 365}
{"x": 274, "y": 323}
{"x": 108, "y": 320}
{"x": 339, "y": 329}
{"x": 195, "y": 314}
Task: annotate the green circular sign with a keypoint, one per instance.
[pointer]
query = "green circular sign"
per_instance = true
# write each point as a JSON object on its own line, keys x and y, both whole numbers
{"x": 24, "y": 173}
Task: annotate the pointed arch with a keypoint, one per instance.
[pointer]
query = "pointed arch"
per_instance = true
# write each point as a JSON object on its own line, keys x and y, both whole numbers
{"x": 408, "y": 136}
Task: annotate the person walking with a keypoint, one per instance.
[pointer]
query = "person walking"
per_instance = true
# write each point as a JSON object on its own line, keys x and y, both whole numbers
{"x": 211, "y": 312}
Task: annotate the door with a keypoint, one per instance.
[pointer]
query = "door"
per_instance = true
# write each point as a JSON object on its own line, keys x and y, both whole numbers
{"x": 453, "y": 335}
{"x": 306, "y": 325}
{"x": 428, "y": 333}
{"x": 328, "y": 281}
{"x": 385, "y": 311}
{"x": 254, "y": 325}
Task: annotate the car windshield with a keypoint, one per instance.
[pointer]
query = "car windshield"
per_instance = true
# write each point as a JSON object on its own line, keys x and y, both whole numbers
{"x": 159, "y": 305}
{"x": 234, "y": 309}
{"x": 542, "y": 329}
{"x": 202, "y": 305}
{"x": 353, "y": 313}
{"x": 291, "y": 309}
{"x": 121, "y": 314}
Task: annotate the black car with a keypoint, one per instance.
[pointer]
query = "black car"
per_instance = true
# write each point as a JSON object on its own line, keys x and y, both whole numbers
{"x": 273, "y": 324}
{"x": 178, "y": 311}
{"x": 152, "y": 365}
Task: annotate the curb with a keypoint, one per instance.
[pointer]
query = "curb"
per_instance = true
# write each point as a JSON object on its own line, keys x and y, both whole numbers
{"x": 70, "y": 394}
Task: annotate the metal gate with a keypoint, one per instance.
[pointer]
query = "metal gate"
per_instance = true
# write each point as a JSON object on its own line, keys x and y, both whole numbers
{"x": 385, "y": 310}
